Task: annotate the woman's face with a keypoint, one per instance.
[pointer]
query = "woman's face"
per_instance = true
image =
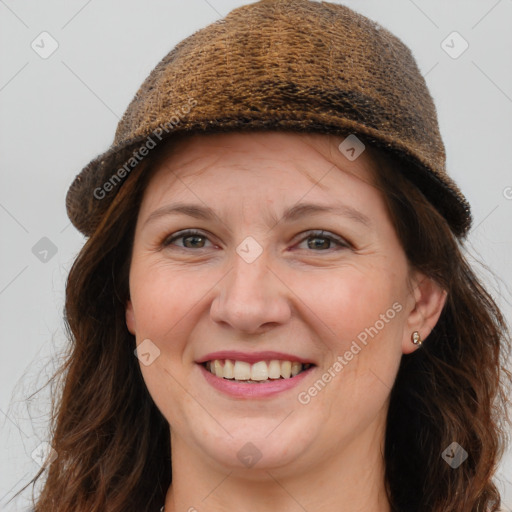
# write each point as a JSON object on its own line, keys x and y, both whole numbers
{"x": 257, "y": 282}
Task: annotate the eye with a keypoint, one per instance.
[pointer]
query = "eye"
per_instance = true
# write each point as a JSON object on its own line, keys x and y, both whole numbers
{"x": 191, "y": 237}
{"x": 325, "y": 240}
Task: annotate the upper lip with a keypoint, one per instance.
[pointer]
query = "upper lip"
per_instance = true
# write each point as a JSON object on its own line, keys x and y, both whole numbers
{"x": 251, "y": 357}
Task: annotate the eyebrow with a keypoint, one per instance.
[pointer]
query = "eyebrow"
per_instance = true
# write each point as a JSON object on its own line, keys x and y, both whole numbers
{"x": 291, "y": 214}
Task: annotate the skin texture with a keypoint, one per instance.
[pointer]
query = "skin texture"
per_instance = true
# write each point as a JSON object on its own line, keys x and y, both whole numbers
{"x": 303, "y": 295}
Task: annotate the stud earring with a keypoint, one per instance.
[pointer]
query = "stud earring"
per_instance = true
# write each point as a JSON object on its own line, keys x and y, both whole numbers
{"x": 416, "y": 338}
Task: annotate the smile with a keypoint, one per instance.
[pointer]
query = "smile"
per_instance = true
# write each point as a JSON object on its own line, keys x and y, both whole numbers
{"x": 257, "y": 373}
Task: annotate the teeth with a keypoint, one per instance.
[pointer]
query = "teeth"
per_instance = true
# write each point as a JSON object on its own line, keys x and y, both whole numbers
{"x": 286, "y": 369}
{"x": 257, "y": 372}
{"x": 218, "y": 368}
{"x": 274, "y": 369}
{"x": 296, "y": 368}
{"x": 229, "y": 369}
{"x": 242, "y": 371}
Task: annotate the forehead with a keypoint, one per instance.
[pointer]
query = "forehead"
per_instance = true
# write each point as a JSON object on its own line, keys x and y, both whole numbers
{"x": 262, "y": 177}
{"x": 273, "y": 158}
{"x": 258, "y": 180}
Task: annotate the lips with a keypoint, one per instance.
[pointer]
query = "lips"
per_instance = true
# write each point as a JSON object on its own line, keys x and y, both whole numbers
{"x": 263, "y": 368}
{"x": 253, "y": 390}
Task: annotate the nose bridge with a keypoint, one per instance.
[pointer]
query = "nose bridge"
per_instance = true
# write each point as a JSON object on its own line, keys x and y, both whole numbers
{"x": 250, "y": 295}
{"x": 250, "y": 269}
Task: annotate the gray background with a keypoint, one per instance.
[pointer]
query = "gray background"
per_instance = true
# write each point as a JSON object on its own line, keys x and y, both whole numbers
{"x": 60, "y": 112}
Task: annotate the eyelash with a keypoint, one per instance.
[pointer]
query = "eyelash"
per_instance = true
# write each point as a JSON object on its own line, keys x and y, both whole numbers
{"x": 342, "y": 244}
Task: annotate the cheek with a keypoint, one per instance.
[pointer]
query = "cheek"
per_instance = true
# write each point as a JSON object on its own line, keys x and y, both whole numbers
{"x": 163, "y": 302}
{"x": 359, "y": 313}
{"x": 361, "y": 317}
{"x": 160, "y": 298}
{"x": 351, "y": 301}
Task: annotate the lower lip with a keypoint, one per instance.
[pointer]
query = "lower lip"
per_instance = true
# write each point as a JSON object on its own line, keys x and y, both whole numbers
{"x": 238, "y": 389}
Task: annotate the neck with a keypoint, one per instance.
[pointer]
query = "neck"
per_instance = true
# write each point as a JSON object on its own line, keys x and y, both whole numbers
{"x": 352, "y": 477}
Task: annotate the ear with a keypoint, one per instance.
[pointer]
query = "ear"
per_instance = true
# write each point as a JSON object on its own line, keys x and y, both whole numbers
{"x": 130, "y": 317}
{"x": 427, "y": 302}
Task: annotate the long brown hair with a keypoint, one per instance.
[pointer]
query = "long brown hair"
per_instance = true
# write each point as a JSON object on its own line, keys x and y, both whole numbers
{"x": 456, "y": 388}
{"x": 113, "y": 443}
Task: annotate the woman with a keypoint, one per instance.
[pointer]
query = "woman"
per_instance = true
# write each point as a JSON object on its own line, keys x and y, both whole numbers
{"x": 272, "y": 310}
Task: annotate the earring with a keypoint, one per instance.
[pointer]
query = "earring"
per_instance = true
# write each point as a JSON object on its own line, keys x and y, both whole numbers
{"x": 416, "y": 338}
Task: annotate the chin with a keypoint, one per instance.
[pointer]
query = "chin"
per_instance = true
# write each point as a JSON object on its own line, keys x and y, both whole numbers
{"x": 255, "y": 449}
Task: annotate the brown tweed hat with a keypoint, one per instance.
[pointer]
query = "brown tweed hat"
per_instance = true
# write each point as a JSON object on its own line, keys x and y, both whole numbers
{"x": 296, "y": 65}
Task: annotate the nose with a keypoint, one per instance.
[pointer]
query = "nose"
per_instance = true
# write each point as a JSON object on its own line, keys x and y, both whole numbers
{"x": 252, "y": 298}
